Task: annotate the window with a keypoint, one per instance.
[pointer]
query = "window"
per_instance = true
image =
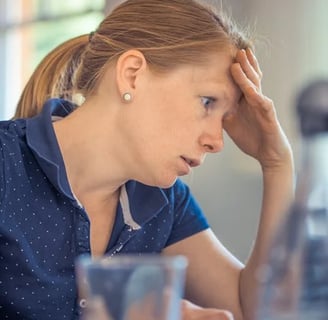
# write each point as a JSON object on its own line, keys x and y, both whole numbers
{"x": 29, "y": 29}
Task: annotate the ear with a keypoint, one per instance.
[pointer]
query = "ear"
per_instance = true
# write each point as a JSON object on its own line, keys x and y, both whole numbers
{"x": 130, "y": 65}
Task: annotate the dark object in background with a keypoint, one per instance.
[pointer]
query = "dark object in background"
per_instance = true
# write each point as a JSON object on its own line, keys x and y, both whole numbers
{"x": 295, "y": 277}
{"x": 312, "y": 107}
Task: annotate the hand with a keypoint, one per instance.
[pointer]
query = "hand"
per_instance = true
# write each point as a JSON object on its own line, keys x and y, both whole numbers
{"x": 254, "y": 126}
{"x": 191, "y": 311}
{"x": 145, "y": 309}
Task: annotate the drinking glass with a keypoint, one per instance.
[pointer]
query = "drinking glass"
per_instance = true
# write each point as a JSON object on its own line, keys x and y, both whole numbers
{"x": 131, "y": 287}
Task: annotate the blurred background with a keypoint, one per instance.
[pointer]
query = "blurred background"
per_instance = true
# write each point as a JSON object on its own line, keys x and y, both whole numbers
{"x": 291, "y": 45}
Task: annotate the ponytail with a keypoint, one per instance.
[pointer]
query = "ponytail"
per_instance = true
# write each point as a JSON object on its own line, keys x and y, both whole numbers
{"x": 53, "y": 77}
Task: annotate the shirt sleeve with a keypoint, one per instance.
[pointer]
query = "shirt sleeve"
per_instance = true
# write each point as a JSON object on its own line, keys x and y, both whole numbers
{"x": 189, "y": 218}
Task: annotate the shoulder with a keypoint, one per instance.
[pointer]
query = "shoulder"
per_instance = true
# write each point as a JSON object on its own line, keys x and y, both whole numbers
{"x": 188, "y": 216}
{"x": 11, "y": 133}
{"x": 167, "y": 215}
{"x": 179, "y": 193}
{"x": 12, "y": 128}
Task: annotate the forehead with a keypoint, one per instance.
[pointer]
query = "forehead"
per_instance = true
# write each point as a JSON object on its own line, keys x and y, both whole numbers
{"x": 214, "y": 73}
{"x": 210, "y": 75}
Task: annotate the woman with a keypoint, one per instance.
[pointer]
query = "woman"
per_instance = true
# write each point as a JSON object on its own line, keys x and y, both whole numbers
{"x": 161, "y": 81}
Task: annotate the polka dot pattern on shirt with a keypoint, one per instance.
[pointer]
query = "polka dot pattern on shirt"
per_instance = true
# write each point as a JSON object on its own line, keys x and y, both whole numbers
{"x": 43, "y": 228}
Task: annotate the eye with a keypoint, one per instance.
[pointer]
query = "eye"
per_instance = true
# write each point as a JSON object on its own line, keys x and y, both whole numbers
{"x": 207, "y": 102}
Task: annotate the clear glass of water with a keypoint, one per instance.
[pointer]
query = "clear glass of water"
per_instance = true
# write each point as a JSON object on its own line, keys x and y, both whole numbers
{"x": 131, "y": 287}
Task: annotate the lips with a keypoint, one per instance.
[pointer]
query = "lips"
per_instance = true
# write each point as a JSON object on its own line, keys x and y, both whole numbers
{"x": 191, "y": 162}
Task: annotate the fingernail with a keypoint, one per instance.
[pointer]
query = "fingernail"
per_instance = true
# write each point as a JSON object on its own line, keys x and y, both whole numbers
{"x": 250, "y": 51}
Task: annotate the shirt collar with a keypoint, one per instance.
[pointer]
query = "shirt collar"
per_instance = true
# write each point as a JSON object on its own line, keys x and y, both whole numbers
{"x": 41, "y": 138}
{"x": 139, "y": 202}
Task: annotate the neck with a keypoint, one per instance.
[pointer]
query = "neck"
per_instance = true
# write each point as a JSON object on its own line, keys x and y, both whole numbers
{"x": 90, "y": 168}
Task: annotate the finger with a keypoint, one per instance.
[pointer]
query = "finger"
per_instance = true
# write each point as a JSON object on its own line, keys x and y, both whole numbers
{"x": 211, "y": 314}
{"x": 253, "y": 61}
{"x": 248, "y": 88}
{"x": 220, "y": 315}
{"x": 248, "y": 68}
{"x": 192, "y": 311}
{"x": 250, "y": 91}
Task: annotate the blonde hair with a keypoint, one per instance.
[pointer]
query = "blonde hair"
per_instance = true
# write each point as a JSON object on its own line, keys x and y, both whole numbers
{"x": 168, "y": 32}
{"x": 53, "y": 77}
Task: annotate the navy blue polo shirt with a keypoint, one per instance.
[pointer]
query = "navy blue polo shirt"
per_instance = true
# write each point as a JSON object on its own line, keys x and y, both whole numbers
{"x": 43, "y": 228}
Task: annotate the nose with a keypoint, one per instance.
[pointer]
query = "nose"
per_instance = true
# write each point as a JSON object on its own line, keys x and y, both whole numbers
{"x": 212, "y": 143}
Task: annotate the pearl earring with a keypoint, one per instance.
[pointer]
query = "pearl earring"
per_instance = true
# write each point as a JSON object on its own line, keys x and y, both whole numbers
{"x": 127, "y": 97}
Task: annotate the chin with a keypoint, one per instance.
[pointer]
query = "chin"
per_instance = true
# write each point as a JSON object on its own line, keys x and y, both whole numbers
{"x": 168, "y": 185}
{"x": 163, "y": 183}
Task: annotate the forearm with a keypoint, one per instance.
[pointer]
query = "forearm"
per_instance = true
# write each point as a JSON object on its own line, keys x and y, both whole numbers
{"x": 278, "y": 190}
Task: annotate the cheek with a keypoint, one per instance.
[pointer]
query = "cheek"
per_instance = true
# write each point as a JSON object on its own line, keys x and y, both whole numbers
{"x": 171, "y": 115}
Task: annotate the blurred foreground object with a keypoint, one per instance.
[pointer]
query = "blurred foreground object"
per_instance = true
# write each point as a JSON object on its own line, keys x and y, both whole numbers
{"x": 295, "y": 278}
{"x": 132, "y": 287}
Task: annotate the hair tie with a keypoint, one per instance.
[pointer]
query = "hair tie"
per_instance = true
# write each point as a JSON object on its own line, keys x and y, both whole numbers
{"x": 91, "y": 34}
